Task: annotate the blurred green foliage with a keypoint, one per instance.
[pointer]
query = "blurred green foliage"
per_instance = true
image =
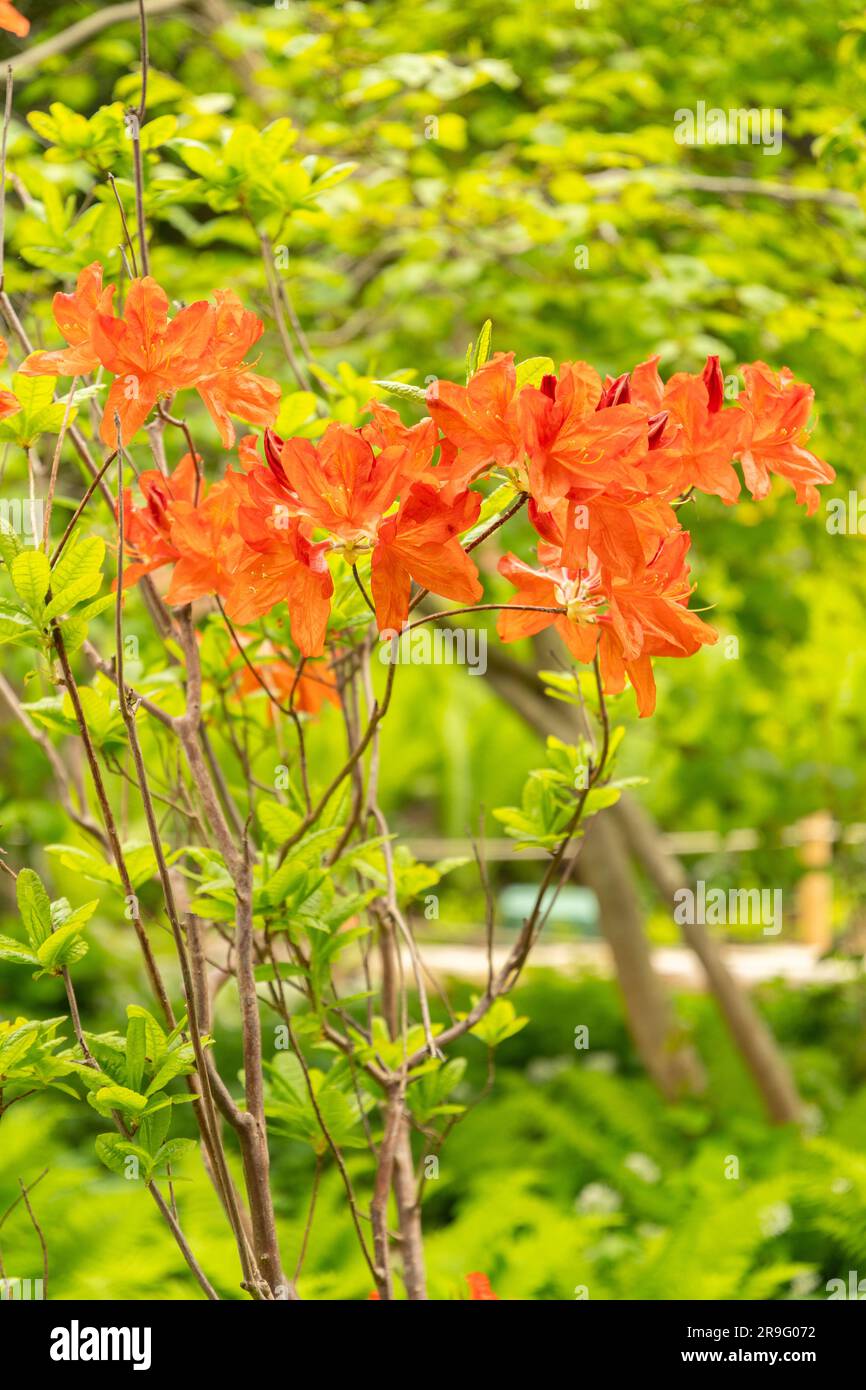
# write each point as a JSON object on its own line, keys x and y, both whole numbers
{"x": 570, "y": 1181}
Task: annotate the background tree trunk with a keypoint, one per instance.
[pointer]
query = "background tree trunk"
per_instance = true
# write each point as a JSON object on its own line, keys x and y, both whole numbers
{"x": 604, "y": 866}
{"x": 637, "y": 836}
{"x": 753, "y": 1038}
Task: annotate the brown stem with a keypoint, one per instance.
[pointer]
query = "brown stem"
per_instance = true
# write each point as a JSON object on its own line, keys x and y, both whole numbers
{"x": 156, "y": 982}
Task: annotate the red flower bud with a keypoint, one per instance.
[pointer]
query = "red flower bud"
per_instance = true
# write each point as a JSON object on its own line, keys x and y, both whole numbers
{"x": 656, "y": 428}
{"x": 712, "y": 378}
{"x": 273, "y": 452}
{"x": 616, "y": 392}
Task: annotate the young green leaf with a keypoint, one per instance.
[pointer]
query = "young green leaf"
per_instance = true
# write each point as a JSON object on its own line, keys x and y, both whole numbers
{"x": 34, "y": 906}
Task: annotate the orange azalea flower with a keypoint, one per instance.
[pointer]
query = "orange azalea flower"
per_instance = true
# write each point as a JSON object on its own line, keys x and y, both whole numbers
{"x": 480, "y": 1290}
{"x": 421, "y": 543}
{"x": 231, "y": 388}
{"x": 248, "y": 451}
{"x": 647, "y": 616}
{"x": 281, "y": 564}
{"x": 147, "y": 529}
{"x": 479, "y": 421}
{"x": 577, "y": 591}
{"x": 75, "y": 315}
{"x": 775, "y": 434}
{"x": 304, "y": 689}
{"x": 205, "y": 537}
{"x": 343, "y": 486}
{"x": 12, "y": 21}
{"x": 623, "y": 529}
{"x": 149, "y": 356}
{"x": 340, "y": 484}
{"x": 574, "y": 438}
{"x": 386, "y": 429}
{"x": 9, "y": 404}
{"x": 699, "y": 438}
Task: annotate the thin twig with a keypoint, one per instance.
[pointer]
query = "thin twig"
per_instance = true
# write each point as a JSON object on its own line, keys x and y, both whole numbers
{"x": 38, "y": 1229}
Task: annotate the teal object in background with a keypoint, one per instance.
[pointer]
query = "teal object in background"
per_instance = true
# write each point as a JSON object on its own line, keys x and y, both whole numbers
{"x": 575, "y": 908}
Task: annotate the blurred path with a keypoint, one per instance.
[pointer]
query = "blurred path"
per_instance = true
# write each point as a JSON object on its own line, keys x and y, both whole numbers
{"x": 796, "y": 963}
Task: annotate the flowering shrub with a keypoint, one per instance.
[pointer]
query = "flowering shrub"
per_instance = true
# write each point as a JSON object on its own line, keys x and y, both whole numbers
{"x": 603, "y": 468}
{"x": 270, "y": 577}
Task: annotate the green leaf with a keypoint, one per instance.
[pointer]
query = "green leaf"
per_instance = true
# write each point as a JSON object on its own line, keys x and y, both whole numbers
{"x": 404, "y": 390}
{"x": 31, "y": 573}
{"x": 77, "y": 575}
{"x": 287, "y": 880}
{"x": 277, "y": 821}
{"x": 154, "y": 1033}
{"x": 500, "y": 1022}
{"x": 175, "y": 1064}
{"x": 16, "y": 1044}
{"x": 34, "y": 906}
{"x": 10, "y": 545}
{"x": 331, "y": 177}
{"x": 109, "y": 1098}
{"x": 154, "y": 1128}
{"x": 33, "y": 392}
{"x": 136, "y": 1041}
{"x": 39, "y": 411}
{"x": 17, "y": 629}
{"x": 174, "y": 1150}
{"x": 115, "y": 1152}
{"x": 531, "y": 371}
{"x": 482, "y": 351}
{"x": 63, "y": 947}
{"x": 283, "y": 971}
{"x": 13, "y": 951}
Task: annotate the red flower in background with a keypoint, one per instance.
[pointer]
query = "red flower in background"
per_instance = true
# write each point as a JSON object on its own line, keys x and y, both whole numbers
{"x": 480, "y": 1290}
{"x": 304, "y": 688}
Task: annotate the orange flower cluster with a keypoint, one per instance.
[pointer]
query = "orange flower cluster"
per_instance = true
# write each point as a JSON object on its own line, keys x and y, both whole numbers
{"x": 151, "y": 356}
{"x": 602, "y": 463}
{"x": 250, "y": 538}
